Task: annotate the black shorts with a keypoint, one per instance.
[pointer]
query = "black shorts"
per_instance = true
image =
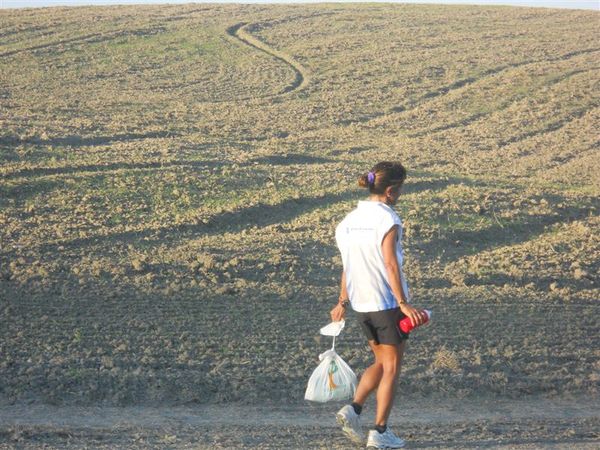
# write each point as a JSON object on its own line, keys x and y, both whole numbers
{"x": 382, "y": 326}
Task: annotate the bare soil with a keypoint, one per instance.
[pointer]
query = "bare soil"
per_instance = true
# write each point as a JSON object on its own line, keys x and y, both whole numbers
{"x": 481, "y": 423}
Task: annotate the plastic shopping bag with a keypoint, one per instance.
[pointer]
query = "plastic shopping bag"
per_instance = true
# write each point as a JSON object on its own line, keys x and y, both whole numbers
{"x": 333, "y": 379}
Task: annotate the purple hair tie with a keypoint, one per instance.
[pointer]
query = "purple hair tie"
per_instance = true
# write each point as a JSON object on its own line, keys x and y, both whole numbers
{"x": 371, "y": 177}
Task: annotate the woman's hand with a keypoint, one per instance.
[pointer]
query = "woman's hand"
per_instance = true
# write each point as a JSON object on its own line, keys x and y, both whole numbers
{"x": 416, "y": 317}
{"x": 337, "y": 313}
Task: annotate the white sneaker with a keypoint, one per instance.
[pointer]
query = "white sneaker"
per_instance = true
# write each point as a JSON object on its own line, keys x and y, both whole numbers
{"x": 350, "y": 422}
{"x": 384, "y": 440}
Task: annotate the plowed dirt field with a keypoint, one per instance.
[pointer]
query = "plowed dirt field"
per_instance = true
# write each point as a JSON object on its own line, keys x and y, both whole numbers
{"x": 170, "y": 181}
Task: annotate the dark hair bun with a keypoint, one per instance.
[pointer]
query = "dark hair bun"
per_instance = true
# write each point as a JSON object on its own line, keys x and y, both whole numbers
{"x": 382, "y": 175}
{"x": 363, "y": 181}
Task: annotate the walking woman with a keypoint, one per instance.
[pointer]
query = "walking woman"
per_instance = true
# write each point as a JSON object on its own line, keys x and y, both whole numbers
{"x": 373, "y": 283}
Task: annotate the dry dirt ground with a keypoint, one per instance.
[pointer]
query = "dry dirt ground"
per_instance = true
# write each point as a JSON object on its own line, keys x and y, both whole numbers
{"x": 171, "y": 177}
{"x": 483, "y": 423}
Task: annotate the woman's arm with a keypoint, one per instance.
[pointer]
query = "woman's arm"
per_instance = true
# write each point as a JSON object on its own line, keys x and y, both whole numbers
{"x": 343, "y": 290}
{"x": 337, "y": 313}
{"x": 390, "y": 260}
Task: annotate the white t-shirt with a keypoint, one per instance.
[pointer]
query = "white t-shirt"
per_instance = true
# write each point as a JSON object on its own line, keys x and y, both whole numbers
{"x": 359, "y": 237}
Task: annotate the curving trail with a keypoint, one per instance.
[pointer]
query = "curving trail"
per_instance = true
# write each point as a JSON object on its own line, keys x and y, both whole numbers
{"x": 238, "y": 31}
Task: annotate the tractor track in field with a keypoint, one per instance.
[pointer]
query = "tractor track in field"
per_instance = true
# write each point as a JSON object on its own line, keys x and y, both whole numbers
{"x": 240, "y": 34}
{"x": 504, "y": 106}
{"x": 301, "y": 79}
{"x": 92, "y": 38}
{"x": 371, "y": 119}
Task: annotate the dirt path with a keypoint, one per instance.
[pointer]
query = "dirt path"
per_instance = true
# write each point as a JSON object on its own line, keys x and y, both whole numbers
{"x": 239, "y": 32}
{"x": 489, "y": 423}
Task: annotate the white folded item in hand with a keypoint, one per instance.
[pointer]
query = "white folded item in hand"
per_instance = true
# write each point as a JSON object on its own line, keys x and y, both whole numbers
{"x": 333, "y": 329}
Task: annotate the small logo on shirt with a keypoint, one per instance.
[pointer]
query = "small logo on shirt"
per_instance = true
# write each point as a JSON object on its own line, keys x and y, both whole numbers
{"x": 359, "y": 229}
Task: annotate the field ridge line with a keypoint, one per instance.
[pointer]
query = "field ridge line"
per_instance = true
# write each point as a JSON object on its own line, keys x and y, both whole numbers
{"x": 455, "y": 85}
{"x": 505, "y": 105}
{"x": 87, "y": 38}
{"x": 551, "y": 127}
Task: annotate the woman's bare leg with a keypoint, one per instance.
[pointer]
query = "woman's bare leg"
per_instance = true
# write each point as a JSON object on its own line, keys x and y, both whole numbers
{"x": 369, "y": 380}
{"x": 382, "y": 374}
{"x": 391, "y": 359}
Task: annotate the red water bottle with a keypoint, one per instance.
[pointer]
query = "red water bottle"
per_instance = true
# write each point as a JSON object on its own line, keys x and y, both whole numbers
{"x": 406, "y": 325}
